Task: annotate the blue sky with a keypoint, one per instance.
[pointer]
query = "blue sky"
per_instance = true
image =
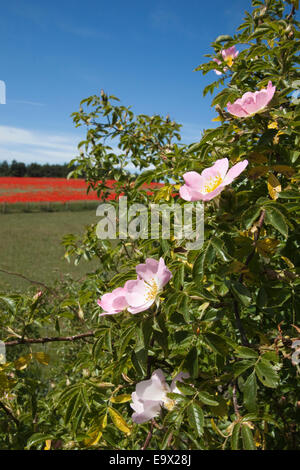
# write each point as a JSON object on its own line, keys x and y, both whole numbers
{"x": 56, "y": 53}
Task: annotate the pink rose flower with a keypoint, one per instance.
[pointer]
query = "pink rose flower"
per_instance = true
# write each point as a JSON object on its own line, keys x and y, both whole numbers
{"x": 211, "y": 182}
{"x": 228, "y": 56}
{"x": 142, "y": 292}
{"x": 113, "y": 302}
{"x": 151, "y": 395}
{"x": 252, "y": 103}
{"x": 139, "y": 294}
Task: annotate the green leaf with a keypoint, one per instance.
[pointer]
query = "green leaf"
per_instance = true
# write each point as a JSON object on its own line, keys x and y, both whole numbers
{"x": 165, "y": 440}
{"x": 72, "y": 407}
{"x": 241, "y": 366}
{"x": 266, "y": 373}
{"x": 207, "y": 398}
{"x": 275, "y": 218}
{"x": 191, "y": 363}
{"x": 219, "y": 247}
{"x": 213, "y": 134}
{"x": 194, "y": 147}
{"x": 223, "y": 38}
{"x": 248, "y": 442}
{"x": 217, "y": 343}
{"x": 147, "y": 330}
{"x": 179, "y": 277}
{"x": 37, "y": 438}
{"x": 139, "y": 360}
{"x": 119, "y": 421}
{"x": 250, "y": 215}
{"x": 128, "y": 335}
{"x": 124, "y": 398}
{"x": 10, "y": 303}
{"x": 206, "y": 257}
{"x": 184, "y": 308}
{"x": 246, "y": 353}
{"x": 145, "y": 177}
{"x": 186, "y": 389}
{"x": 289, "y": 195}
{"x": 235, "y": 436}
{"x": 196, "y": 418}
{"x": 240, "y": 292}
{"x": 250, "y": 392}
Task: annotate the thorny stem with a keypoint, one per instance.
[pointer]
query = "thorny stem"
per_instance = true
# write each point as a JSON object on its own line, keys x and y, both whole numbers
{"x": 148, "y": 438}
{"x": 48, "y": 339}
{"x": 26, "y": 278}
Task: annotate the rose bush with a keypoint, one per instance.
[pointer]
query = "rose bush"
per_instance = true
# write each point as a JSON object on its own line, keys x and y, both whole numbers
{"x": 226, "y": 319}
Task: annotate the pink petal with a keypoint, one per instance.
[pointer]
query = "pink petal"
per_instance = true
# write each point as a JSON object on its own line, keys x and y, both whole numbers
{"x": 193, "y": 180}
{"x": 163, "y": 273}
{"x": 189, "y": 194}
{"x": 236, "y": 109}
{"x": 153, "y": 389}
{"x": 137, "y": 405}
{"x": 231, "y": 51}
{"x": 220, "y": 168}
{"x": 235, "y": 171}
{"x": 136, "y": 292}
{"x": 141, "y": 308}
{"x": 148, "y": 270}
{"x": 113, "y": 302}
{"x": 150, "y": 410}
{"x": 217, "y": 62}
{"x": 252, "y": 102}
{"x": 248, "y": 102}
{"x": 212, "y": 194}
{"x": 108, "y": 313}
{"x": 263, "y": 97}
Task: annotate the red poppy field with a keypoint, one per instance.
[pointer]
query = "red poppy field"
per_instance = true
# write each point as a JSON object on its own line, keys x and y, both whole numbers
{"x": 18, "y": 190}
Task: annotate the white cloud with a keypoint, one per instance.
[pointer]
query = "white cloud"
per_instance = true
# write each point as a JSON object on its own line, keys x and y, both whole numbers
{"x": 32, "y": 146}
{"x": 41, "y": 147}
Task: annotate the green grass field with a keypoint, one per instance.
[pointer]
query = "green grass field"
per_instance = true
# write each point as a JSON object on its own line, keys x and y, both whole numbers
{"x": 30, "y": 244}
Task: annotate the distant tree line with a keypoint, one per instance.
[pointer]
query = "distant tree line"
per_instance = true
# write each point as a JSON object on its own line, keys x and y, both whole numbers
{"x": 35, "y": 169}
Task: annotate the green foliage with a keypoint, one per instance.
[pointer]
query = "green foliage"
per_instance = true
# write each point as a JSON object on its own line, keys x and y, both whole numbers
{"x": 228, "y": 316}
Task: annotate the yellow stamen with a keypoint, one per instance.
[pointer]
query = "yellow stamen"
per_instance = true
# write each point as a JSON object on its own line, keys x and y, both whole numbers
{"x": 152, "y": 290}
{"x": 212, "y": 183}
{"x": 229, "y": 60}
{"x": 169, "y": 404}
